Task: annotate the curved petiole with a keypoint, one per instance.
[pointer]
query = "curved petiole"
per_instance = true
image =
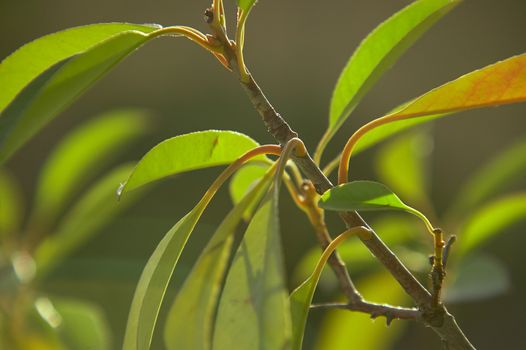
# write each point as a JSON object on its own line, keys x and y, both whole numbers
{"x": 343, "y": 169}
{"x": 233, "y": 167}
{"x": 197, "y": 37}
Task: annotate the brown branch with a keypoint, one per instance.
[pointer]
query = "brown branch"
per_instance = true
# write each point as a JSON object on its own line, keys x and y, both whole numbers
{"x": 282, "y": 132}
{"x": 376, "y": 310}
{"x": 437, "y": 317}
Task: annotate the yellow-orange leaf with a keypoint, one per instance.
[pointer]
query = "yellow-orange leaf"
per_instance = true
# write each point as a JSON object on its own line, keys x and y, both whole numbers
{"x": 500, "y": 83}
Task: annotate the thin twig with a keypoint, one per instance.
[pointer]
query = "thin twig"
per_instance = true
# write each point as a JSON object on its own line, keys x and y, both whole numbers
{"x": 438, "y": 318}
{"x": 375, "y": 310}
{"x": 435, "y": 316}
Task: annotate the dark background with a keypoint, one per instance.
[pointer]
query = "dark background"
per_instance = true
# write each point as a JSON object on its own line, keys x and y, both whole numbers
{"x": 295, "y": 49}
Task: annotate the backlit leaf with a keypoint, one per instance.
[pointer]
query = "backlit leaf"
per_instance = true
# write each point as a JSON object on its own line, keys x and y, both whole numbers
{"x": 83, "y": 153}
{"x": 501, "y": 83}
{"x": 34, "y": 58}
{"x": 254, "y": 311}
{"x": 362, "y": 195}
{"x": 188, "y": 152}
{"x": 60, "y": 82}
{"x": 492, "y": 220}
{"x": 367, "y": 196}
{"x": 190, "y": 320}
{"x": 378, "y": 52}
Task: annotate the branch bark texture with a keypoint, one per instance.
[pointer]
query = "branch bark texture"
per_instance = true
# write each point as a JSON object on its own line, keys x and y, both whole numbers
{"x": 438, "y": 318}
{"x": 434, "y": 316}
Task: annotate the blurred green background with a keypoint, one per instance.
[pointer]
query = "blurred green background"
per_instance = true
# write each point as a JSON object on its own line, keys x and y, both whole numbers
{"x": 295, "y": 49}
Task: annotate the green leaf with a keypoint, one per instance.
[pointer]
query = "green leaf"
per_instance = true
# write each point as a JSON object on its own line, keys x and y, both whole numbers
{"x": 55, "y": 88}
{"x": 156, "y": 275}
{"x": 11, "y": 205}
{"x": 93, "y": 210}
{"x": 83, "y": 325}
{"x": 478, "y": 277}
{"x": 344, "y": 330}
{"x": 83, "y": 153}
{"x": 378, "y": 52}
{"x": 154, "y": 280}
{"x": 254, "y": 311}
{"x": 190, "y": 319}
{"x": 362, "y": 195}
{"x": 491, "y": 220}
{"x": 34, "y": 58}
{"x": 301, "y": 297}
{"x": 507, "y": 167}
{"x": 401, "y": 164}
{"x": 246, "y": 5}
{"x": 188, "y": 152}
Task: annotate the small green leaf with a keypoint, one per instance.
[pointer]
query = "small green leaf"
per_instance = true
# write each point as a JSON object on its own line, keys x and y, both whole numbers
{"x": 190, "y": 319}
{"x": 93, "y": 210}
{"x": 367, "y": 196}
{"x": 34, "y": 58}
{"x": 83, "y": 153}
{"x": 254, "y": 311}
{"x": 246, "y": 5}
{"x": 188, "y": 152}
{"x": 507, "y": 167}
{"x": 11, "y": 205}
{"x": 378, "y": 52}
{"x": 83, "y": 325}
{"x": 491, "y": 220}
{"x": 301, "y": 297}
{"x": 478, "y": 277}
{"x": 401, "y": 164}
{"x": 344, "y": 330}
{"x": 55, "y": 88}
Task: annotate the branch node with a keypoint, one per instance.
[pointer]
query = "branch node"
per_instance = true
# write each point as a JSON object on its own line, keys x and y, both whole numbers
{"x": 209, "y": 15}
